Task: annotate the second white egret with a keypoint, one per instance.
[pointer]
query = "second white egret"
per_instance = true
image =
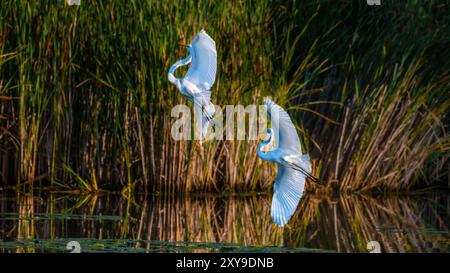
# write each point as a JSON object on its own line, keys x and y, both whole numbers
{"x": 281, "y": 145}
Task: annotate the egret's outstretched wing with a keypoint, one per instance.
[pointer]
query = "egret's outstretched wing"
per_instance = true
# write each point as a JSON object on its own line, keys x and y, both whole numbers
{"x": 288, "y": 191}
{"x": 202, "y": 71}
{"x": 283, "y": 127}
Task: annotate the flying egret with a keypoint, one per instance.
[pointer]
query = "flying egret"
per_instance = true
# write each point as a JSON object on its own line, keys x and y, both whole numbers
{"x": 196, "y": 84}
{"x": 280, "y": 144}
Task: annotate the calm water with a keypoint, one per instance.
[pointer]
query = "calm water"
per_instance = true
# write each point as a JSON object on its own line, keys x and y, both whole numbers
{"x": 46, "y": 222}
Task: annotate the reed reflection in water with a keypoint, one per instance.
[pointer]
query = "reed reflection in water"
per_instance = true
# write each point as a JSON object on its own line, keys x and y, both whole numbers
{"x": 109, "y": 222}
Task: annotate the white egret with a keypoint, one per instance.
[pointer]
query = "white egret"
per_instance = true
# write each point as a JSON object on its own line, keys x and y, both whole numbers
{"x": 196, "y": 84}
{"x": 281, "y": 145}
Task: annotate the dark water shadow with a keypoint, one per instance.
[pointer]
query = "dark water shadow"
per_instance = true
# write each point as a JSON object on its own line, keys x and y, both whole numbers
{"x": 110, "y": 223}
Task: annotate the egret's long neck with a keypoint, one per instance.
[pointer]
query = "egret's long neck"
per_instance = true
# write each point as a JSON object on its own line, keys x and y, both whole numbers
{"x": 265, "y": 148}
{"x": 264, "y": 155}
{"x": 179, "y": 63}
{"x": 176, "y": 81}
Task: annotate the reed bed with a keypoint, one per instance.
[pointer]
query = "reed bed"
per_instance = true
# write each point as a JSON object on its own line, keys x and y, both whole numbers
{"x": 85, "y": 103}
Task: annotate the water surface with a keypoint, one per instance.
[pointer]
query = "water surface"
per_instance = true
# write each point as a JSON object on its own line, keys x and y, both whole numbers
{"x": 46, "y": 222}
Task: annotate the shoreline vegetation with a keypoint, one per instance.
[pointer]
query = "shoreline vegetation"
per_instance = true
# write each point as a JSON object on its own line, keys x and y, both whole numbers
{"x": 85, "y": 102}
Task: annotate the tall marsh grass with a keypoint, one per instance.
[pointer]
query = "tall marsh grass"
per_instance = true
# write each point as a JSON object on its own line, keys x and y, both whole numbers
{"x": 84, "y": 95}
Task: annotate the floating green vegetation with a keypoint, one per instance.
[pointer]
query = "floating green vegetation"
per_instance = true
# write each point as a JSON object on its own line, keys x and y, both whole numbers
{"x": 58, "y": 216}
{"x": 139, "y": 246}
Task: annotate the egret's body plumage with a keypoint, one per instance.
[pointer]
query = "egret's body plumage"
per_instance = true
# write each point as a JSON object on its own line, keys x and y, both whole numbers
{"x": 198, "y": 81}
{"x": 282, "y": 146}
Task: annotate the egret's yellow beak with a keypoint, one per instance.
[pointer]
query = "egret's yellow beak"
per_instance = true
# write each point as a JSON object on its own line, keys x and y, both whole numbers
{"x": 182, "y": 39}
{"x": 264, "y": 137}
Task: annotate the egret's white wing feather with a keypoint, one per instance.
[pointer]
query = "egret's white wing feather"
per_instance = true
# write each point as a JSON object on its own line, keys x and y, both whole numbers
{"x": 288, "y": 191}
{"x": 202, "y": 71}
{"x": 283, "y": 127}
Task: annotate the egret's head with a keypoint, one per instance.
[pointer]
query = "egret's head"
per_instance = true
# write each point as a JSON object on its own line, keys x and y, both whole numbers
{"x": 266, "y": 136}
{"x": 266, "y": 141}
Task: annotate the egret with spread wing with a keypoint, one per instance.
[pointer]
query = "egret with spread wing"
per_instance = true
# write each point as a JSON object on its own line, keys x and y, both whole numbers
{"x": 196, "y": 84}
{"x": 281, "y": 145}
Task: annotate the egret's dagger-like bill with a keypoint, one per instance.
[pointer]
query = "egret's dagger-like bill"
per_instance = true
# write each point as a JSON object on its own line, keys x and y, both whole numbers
{"x": 264, "y": 137}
